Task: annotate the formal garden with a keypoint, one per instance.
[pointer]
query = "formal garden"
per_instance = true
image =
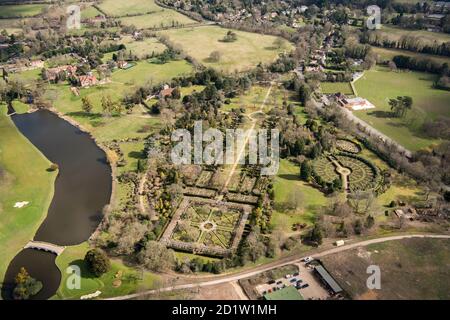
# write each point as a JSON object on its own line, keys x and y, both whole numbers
{"x": 208, "y": 227}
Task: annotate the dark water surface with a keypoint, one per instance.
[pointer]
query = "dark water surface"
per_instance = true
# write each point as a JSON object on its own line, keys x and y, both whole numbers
{"x": 82, "y": 189}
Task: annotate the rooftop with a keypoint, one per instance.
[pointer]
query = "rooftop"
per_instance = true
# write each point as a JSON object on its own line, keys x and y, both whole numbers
{"x": 328, "y": 279}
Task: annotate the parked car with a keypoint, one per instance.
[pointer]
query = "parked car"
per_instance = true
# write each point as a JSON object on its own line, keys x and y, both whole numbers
{"x": 279, "y": 282}
{"x": 264, "y": 292}
{"x": 293, "y": 280}
{"x": 296, "y": 274}
{"x": 307, "y": 259}
{"x": 288, "y": 276}
{"x": 271, "y": 282}
{"x": 304, "y": 286}
{"x": 299, "y": 281}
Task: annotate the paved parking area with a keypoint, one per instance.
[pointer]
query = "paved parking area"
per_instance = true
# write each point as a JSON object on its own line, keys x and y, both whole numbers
{"x": 315, "y": 290}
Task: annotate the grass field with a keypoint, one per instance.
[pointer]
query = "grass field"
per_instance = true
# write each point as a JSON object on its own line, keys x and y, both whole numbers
{"x": 24, "y": 180}
{"x": 288, "y": 179}
{"x": 379, "y": 85}
{"x": 396, "y": 33}
{"x": 335, "y": 87}
{"x": 24, "y": 10}
{"x": 388, "y": 54}
{"x": 89, "y": 12}
{"x": 130, "y": 279}
{"x": 410, "y": 269}
{"x": 159, "y": 19}
{"x": 246, "y": 52}
{"x": 116, "y": 8}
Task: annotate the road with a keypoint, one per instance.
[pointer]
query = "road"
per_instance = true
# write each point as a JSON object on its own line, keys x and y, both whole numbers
{"x": 215, "y": 280}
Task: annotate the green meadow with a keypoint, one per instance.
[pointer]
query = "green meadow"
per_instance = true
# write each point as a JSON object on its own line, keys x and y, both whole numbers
{"x": 116, "y": 8}
{"x": 160, "y": 19}
{"x": 22, "y": 10}
{"x": 379, "y": 85}
{"x": 246, "y": 52}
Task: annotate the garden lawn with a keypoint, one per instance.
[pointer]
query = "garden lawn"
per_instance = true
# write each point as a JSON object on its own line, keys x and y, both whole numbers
{"x": 25, "y": 179}
{"x": 116, "y": 8}
{"x": 286, "y": 180}
{"x": 246, "y": 52}
{"x": 23, "y": 10}
{"x": 131, "y": 280}
{"x": 379, "y": 85}
{"x": 335, "y": 87}
{"x": 160, "y": 19}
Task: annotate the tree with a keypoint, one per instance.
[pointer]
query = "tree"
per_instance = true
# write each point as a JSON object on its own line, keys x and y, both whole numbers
{"x": 357, "y": 227}
{"x": 215, "y": 56}
{"x": 176, "y": 93}
{"x": 107, "y": 105}
{"x": 392, "y": 66}
{"x": 26, "y": 286}
{"x": 401, "y": 105}
{"x": 279, "y": 43}
{"x": 156, "y": 256}
{"x": 315, "y": 234}
{"x": 306, "y": 170}
{"x": 86, "y": 105}
{"x": 294, "y": 199}
{"x": 97, "y": 262}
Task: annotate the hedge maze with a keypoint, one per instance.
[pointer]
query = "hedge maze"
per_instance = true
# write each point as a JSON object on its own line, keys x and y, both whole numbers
{"x": 363, "y": 174}
{"x": 345, "y": 145}
{"x": 325, "y": 169}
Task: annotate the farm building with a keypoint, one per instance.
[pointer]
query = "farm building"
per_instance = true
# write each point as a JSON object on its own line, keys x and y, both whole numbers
{"x": 87, "y": 81}
{"x": 288, "y": 293}
{"x": 327, "y": 279}
{"x": 165, "y": 92}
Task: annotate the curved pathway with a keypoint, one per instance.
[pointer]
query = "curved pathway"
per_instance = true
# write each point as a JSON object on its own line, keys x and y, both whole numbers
{"x": 204, "y": 281}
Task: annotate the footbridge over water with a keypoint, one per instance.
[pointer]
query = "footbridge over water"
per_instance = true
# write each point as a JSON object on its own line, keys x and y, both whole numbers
{"x": 45, "y": 246}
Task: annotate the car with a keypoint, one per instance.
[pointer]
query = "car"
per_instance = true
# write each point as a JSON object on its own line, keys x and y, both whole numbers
{"x": 264, "y": 292}
{"x": 279, "y": 282}
{"x": 270, "y": 290}
{"x": 293, "y": 280}
{"x": 307, "y": 259}
{"x": 299, "y": 281}
{"x": 296, "y": 274}
{"x": 304, "y": 286}
{"x": 288, "y": 276}
{"x": 271, "y": 282}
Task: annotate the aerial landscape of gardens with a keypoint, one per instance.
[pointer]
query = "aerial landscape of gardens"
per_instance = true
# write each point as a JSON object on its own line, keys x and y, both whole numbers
{"x": 93, "y": 205}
